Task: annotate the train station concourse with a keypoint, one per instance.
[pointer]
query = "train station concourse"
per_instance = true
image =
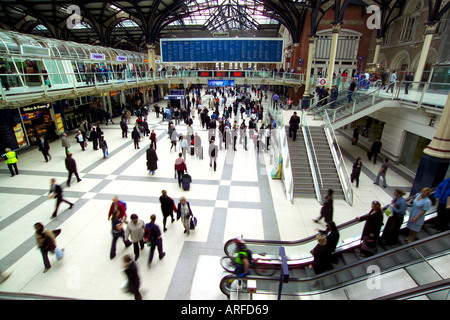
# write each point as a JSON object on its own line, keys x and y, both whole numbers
{"x": 225, "y": 151}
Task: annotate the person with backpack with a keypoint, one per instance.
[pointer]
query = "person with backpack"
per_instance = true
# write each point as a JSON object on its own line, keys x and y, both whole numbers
{"x": 118, "y": 207}
{"x": 152, "y": 236}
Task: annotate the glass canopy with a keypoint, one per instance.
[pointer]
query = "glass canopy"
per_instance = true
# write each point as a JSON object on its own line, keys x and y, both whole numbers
{"x": 225, "y": 15}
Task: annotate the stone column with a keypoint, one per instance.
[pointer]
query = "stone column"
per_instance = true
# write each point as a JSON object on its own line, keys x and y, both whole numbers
{"x": 151, "y": 57}
{"x": 308, "y": 66}
{"x": 333, "y": 49}
{"x": 429, "y": 33}
{"x": 377, "y": 50}
{"x": 435, "y": 162}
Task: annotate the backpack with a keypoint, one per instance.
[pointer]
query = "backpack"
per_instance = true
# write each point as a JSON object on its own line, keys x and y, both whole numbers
{"x": 124, "y": 204}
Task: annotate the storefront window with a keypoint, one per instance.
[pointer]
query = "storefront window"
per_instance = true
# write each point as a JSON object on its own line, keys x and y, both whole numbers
{"x": 36, "y": 120}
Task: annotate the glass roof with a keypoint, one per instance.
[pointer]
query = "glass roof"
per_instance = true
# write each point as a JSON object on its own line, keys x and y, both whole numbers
{"x": 224, "y": 15}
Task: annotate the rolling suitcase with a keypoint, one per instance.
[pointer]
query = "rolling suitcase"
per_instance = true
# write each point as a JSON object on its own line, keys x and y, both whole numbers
{"x": 186, "y": 182}
{"x": 193, "y": 223}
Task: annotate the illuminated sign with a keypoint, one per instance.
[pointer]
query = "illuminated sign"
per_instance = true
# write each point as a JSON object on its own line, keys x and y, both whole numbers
{"x": 121, "y": 58}
{"x": 97, "y": 56}
{"x": 221, "y": 83}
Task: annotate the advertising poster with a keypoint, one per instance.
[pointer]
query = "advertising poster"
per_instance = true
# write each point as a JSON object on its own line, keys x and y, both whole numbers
{"x": 59, "y": 123}
{"x": 20, "y": 135}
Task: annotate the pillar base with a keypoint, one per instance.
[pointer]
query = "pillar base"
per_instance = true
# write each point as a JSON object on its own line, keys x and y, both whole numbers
{"x": 430, "y": 173}
{"x": 305, "y": 102}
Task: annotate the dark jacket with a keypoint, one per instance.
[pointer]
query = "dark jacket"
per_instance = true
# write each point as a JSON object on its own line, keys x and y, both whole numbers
{"x": 179, "y": 210}
{"x": 43, "y": 145}
{"x": 294, "y": 122}
{"x": 167, "y": 205}
{"x": 376, "y": 147}
{"x": 152, "y": 159}
{"x": 374, "y": 222}
{"x": 322, "y": 259}
{"x": 133, "y": 277}
{"x": 71, "y": 165}
{"x": 151, "y": 232}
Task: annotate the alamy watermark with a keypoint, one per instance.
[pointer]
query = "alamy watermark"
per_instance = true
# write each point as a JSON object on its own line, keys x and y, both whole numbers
{"x": 374, "y": 21}
{"x": 75, "y": 17}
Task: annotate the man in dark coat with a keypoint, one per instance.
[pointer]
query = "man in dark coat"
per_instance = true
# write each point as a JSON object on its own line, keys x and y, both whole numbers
{"x": 375, "y": 150}
{"x": 71, "y": 166}
{"x": 56, "y": 192}
{"x": 93, "y": 136}
{"x": 294, "y": 123}
{"x": 167, "y": 208}
{"x": 152, "y": 160}
{"x": 409, "y": 78}
{"x": 124, "y": 127}
{"x": 44, "y": 147}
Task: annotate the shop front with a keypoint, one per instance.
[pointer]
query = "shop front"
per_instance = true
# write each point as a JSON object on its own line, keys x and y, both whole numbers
{"x": 39, "y": 122}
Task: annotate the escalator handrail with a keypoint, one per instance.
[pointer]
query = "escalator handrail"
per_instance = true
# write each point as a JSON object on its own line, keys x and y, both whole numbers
{"x": 418, "y": 291}
{"x": 310, "y": 238}
{"x": 367, "y": 260}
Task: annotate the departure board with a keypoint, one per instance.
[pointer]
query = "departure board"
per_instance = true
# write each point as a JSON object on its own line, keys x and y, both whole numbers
{"x": 222, "y": 50}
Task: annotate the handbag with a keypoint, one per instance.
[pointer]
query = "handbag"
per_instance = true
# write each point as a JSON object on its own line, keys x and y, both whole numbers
{"x": 59, "y": 253}
{"x": 388, "y": 212}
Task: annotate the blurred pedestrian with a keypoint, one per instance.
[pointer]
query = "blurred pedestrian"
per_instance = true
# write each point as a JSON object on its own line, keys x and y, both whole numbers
{"x": 356, "y": 171}
{"x": 56, "y": 192}
{"x": 117, "y": 232}
{"x": 134, "y": 281}
{"x": 46, "y": 242}
{"x": 326, "y": 211}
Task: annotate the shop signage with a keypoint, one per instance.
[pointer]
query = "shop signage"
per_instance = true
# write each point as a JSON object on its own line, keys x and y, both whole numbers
{"x": 34, "y": 108}
{"x": 121, "y": 58}
{"x": 35, "y": 51}
{"x": 321, "y": 81}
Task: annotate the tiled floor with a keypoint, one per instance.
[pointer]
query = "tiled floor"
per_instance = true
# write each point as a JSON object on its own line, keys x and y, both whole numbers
{"x": 240, "y": 198}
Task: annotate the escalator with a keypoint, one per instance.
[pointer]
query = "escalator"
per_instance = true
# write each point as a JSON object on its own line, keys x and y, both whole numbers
{"x": 355, "y": 278}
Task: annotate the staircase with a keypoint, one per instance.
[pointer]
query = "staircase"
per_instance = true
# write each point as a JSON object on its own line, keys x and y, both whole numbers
{"x": 327, "y": 166}
{"x": 301, "y": 172}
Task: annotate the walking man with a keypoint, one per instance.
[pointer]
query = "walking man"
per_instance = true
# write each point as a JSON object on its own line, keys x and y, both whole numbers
{"x": 152, "y": 235}
{"x": 56, "y": 192}
{"x": 44, "y": 147}
{"x": 382, "y": 173}
{"x": 71, "y": 166}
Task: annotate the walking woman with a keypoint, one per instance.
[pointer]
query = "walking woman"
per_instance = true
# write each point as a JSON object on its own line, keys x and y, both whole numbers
{"x": 356, "y": 171}
{"x": 421, "y": 204}
{"x": 397, "y": 210}
{"x": 184, "y": 212}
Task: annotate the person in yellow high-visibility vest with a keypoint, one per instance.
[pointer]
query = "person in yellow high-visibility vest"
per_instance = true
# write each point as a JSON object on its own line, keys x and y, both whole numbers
{"x": 11, "y": 161}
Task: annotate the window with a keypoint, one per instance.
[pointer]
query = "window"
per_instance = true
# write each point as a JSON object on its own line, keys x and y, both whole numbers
{"x": 407, "y": 31}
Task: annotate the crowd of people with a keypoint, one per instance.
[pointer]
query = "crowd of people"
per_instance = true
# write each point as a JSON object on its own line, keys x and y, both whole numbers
{"x": 137, "y": 233}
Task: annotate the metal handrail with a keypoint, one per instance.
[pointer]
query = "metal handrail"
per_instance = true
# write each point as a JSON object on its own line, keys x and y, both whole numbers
{"x": 312, "y": 157}
{"x": 366, "y": 261}
{"x": 340, "y": 162}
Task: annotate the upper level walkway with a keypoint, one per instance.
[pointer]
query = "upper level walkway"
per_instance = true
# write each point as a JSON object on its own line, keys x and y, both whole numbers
{"x": 26, "y": 89}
